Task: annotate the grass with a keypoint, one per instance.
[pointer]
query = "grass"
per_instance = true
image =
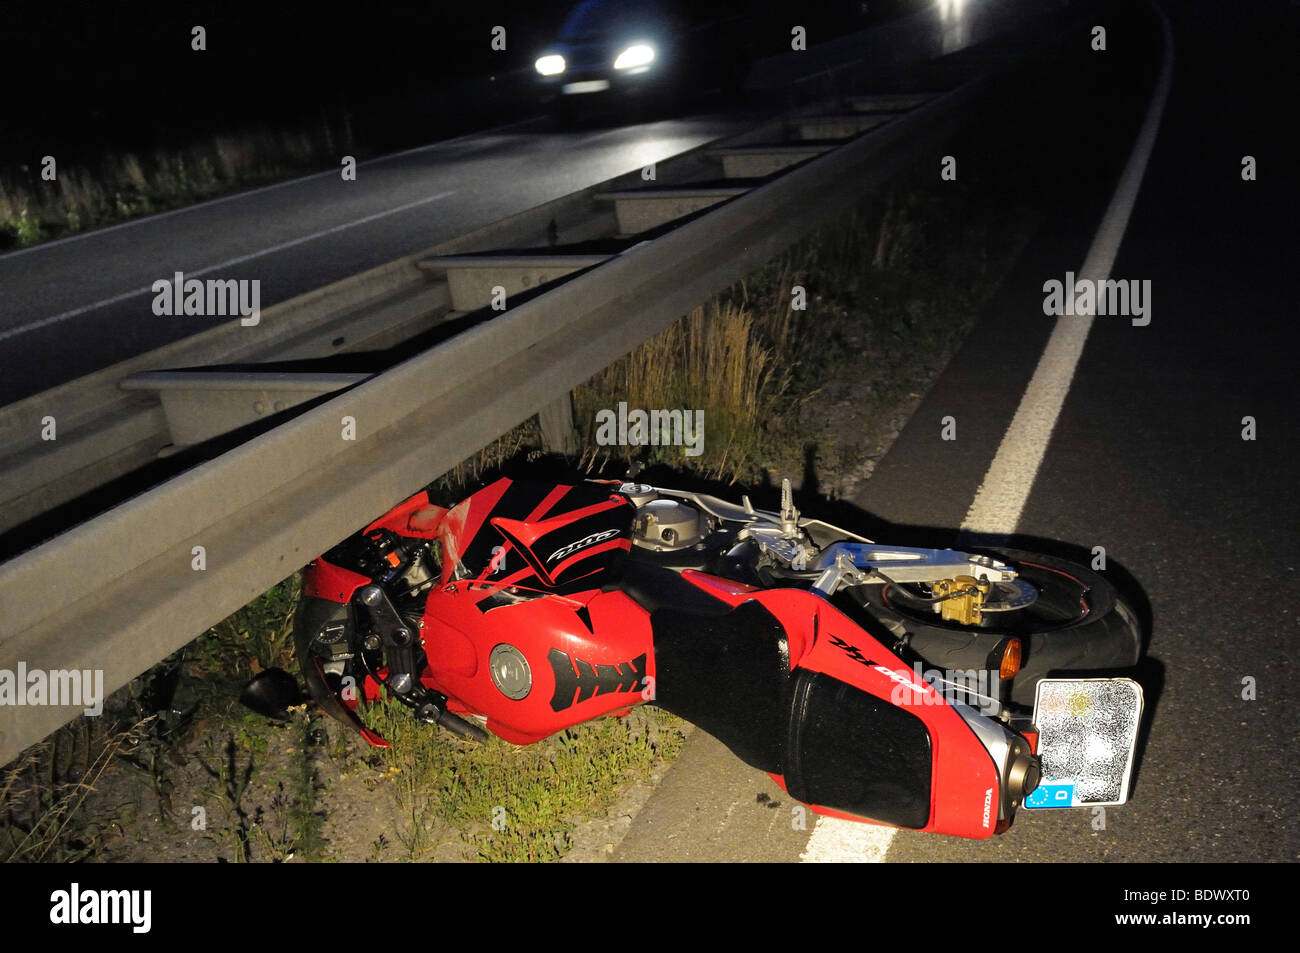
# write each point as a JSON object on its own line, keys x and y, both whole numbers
{"x": 873, "y": 310}
{"x": 726, "y": 360}
{"x": 43, "y": 790}
{"x": 127, "y": 185}
{"x": 521, "y": 444}
{"x": 507, "y": 802}
{"x": 291, "y": 823}
{"x": 257, "y": 637}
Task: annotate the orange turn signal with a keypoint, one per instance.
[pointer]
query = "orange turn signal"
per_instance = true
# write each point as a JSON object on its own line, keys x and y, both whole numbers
{"x": 1010, "y": 659}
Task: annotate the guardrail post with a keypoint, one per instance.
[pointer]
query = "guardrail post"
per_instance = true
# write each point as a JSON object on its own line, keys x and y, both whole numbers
{"x": 556, "y": 422}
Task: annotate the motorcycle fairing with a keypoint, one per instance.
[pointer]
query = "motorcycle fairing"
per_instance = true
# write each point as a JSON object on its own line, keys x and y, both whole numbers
{"x": 576, "y": 675}
{"x": 575, "y": 544}
{"x": 536, "y": 535}
{"x": 324, "y": 580}
{"x": 415, "y": 516}
{"x": 842, "y": 725}
{"x": 965, "y": 785}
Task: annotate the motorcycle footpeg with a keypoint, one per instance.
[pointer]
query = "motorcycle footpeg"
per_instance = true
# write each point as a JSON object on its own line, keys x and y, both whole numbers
{"x": 435, "y": 712}
{"x": 465, "y": 729}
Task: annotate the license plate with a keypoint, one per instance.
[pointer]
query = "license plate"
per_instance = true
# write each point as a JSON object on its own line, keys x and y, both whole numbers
{"x": 587, "y": 86}
{"x": 1087, "y": 733}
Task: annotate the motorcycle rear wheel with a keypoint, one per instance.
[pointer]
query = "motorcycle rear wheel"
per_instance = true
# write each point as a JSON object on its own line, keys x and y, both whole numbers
{"x": 1077, "y": 623}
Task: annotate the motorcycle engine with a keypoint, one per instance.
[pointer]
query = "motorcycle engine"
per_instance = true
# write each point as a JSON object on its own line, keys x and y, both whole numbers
{"x": 666, "y": 525}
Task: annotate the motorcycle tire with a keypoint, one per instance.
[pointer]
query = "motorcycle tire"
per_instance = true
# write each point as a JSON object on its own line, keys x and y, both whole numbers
{"x": 1077, "y": 623}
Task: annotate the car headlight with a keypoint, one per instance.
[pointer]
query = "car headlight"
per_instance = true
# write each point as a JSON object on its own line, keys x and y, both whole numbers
{"x": 550, "y": 64}
{"x": 636, "y": 55}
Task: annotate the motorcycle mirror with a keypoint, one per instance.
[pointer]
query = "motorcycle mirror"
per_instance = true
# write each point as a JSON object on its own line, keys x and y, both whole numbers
{"x": 272, "y": 693}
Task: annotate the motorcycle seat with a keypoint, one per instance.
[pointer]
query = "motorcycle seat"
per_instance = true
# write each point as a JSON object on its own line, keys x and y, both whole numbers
{"x": 729, "y": 674}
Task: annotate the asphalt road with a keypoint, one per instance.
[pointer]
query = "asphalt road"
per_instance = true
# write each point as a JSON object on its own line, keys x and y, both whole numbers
{"x": 74, "y": 306}
{"x": 1146, "y": 459}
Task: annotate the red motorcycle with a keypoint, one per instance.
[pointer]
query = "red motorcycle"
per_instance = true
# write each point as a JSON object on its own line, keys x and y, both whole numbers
{"x": 918, "y": 688}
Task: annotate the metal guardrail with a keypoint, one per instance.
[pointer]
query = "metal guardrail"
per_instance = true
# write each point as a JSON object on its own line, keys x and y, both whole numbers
{"x": 141, "y": 580}
{"x": 105, "y": 431}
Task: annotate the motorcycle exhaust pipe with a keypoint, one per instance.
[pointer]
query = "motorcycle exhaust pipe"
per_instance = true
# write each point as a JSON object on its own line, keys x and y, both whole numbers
{"x": 1019, "y": 769}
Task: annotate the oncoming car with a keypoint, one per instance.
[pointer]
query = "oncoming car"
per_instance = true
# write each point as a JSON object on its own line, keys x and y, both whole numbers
{"x": 609, "y": 51}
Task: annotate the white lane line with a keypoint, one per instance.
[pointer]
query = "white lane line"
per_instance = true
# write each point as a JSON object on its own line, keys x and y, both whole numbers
{"x": 1001, "y": 497}
{"x": 159, "y": 216}
{"x": 836, "y": 841}
{"x": 55, "y": 319}
{"x": 248, "y": 193}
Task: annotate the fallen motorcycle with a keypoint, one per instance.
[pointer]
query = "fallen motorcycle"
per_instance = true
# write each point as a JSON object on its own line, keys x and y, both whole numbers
{"x": 920, "y": 688}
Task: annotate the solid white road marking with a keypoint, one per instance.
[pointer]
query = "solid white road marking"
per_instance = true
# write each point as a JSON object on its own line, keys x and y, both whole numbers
{"x": 55, "y": 319}
{"x": 1001, "y": 497}
{"x": 836, "y": 841}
